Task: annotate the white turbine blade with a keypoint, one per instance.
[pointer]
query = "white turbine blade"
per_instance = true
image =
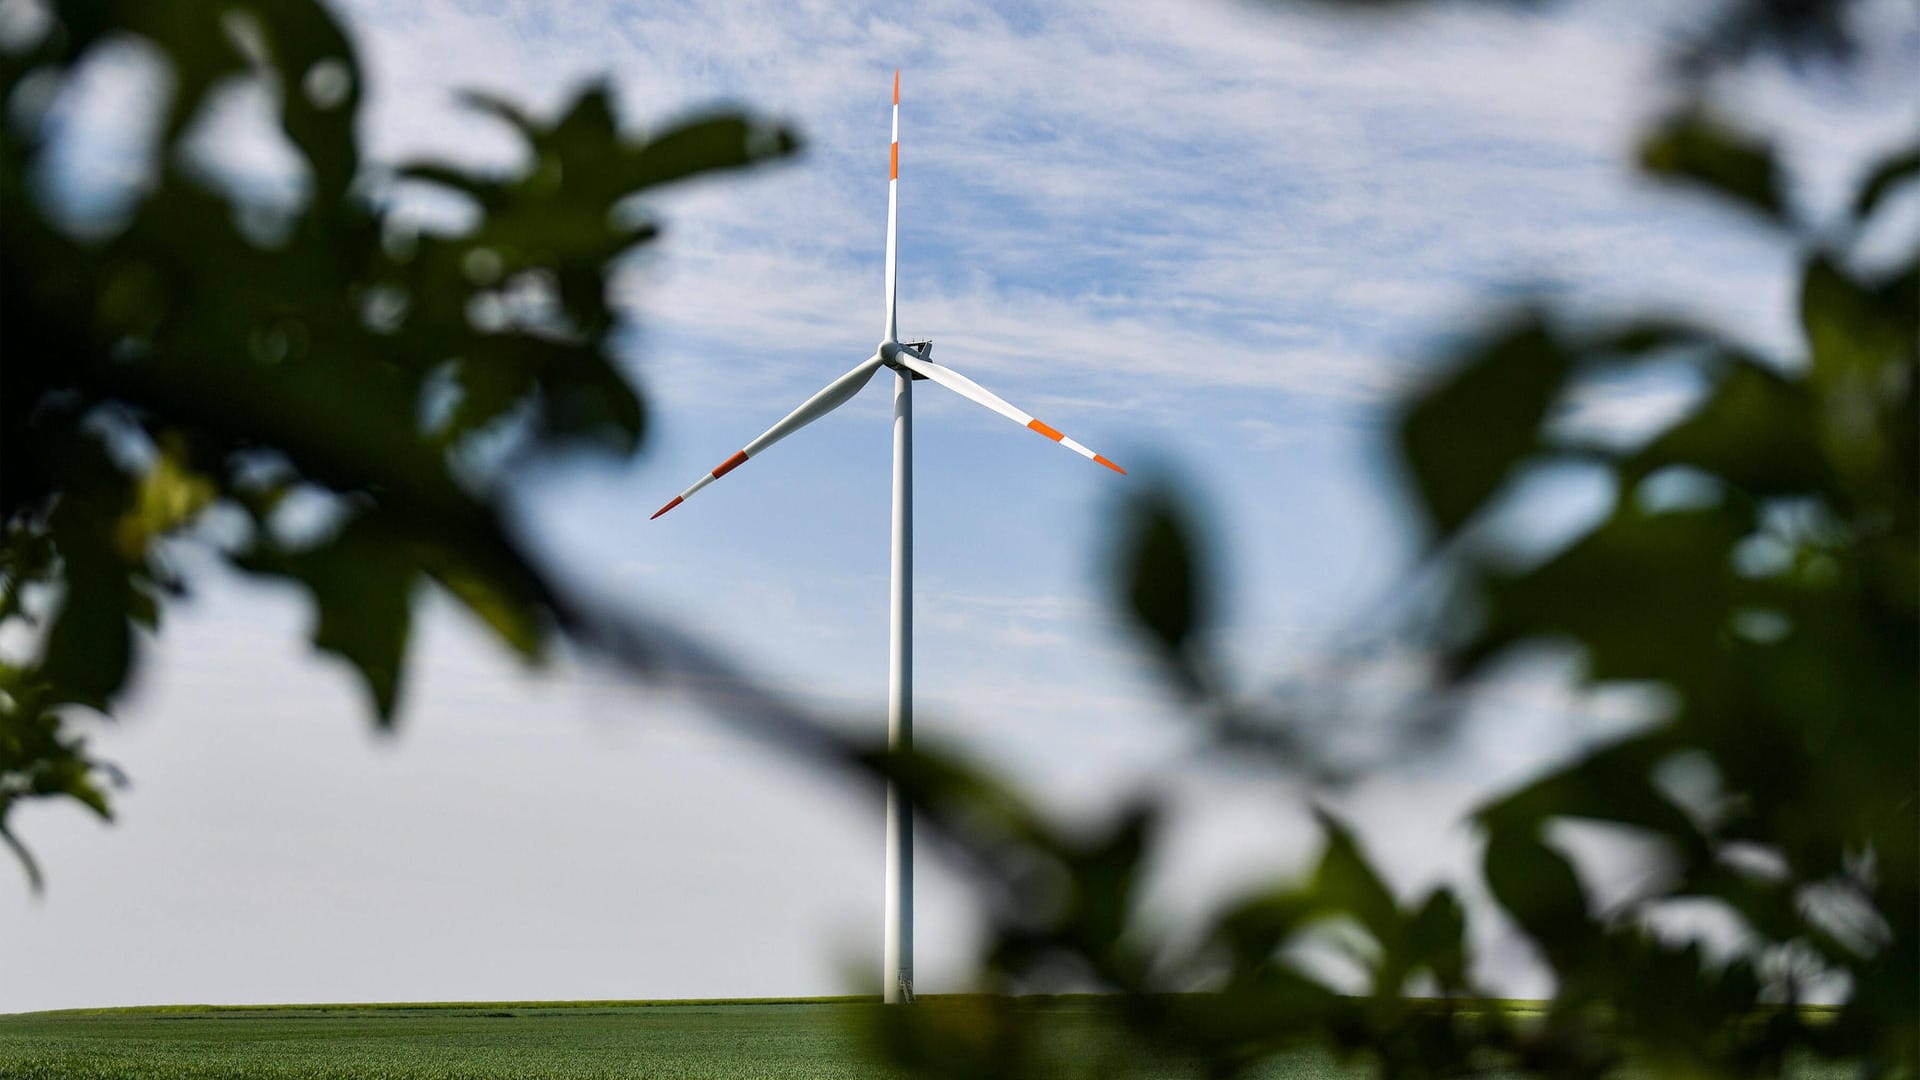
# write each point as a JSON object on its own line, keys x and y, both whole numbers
{"x": 893, "y": 209}
{"x": 834, "y": 395}
{"x": 973, "y": 391}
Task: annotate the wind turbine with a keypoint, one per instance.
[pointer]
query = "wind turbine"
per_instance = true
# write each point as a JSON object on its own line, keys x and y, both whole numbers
{"x": 910, "y": 361}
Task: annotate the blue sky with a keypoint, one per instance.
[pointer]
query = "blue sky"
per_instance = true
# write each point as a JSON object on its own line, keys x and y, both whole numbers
{"x": 1215, "y": 242}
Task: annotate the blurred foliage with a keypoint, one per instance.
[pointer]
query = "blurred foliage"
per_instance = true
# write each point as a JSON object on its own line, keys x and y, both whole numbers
{"x": 326, "y": 393}
{"x": 1759, "y": 566}
{"x": 335, "y": 397}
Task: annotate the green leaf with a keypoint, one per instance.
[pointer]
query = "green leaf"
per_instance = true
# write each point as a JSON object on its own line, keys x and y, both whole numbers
{"x": 1651, "y": 336}
{"x": 362, "y": 583}
{"x": 1539, "y": 888}
{"x": 1162, "y": 575}
{"x": 1613, "y": 784}
{"x": 1896, "y": 169}
{"x": 513, "y": 615}
{"x": 494, "y": 381}
{"x": 587, "y": 128}
{"x": 28, "y": 864}
{"x": 320, "y": 92}
{"x": 583, "y": 398}
{"x": 706, "y": 144}
{"x": 1437, "y": 939}
{"x": 484, "y": 190}
{"x": 89, "y": 648}
{"x": 1346, "y": 882}
{"x": 1696, "y": 149}
{"x": 1463, "y": 436}
{"x": 195, "y": 43}
{"x": 1756, "y": 430}
{"x": 1254, "y": 928}
{"x": 1667, "y": 625}
{"x": 1856, "y": 331}
{"x": 1865, "y": 343}
{"x": 502, "y": 109}
{"x": 1104, "y": 874}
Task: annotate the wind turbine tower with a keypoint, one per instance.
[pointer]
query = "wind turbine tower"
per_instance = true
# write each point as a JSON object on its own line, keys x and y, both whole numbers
{"x": 910, "y": 362}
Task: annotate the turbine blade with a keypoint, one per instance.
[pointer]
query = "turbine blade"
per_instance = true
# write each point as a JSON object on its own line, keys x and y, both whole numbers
{"x": 893, "y": 210}
{"x": 831, "y": 397}
{"x": 973, "y": 391}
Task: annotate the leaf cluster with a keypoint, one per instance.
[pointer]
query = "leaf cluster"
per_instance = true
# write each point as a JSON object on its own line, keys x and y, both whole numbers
{"x": 1759, "y": 565}
{"x": 328, "y": 393}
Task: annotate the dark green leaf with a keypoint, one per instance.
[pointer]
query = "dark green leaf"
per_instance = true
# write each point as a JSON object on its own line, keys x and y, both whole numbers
{"x": 720, "y": 142}
{"x": 1346, "y": 882}
{"x": 1892, "y": 172}
{"x": 486, "y": 191}
{"x": 362, "y": 584}
{"x": 1437, "y": 939}
{"x": 1465, "y": 435}
{"x": 585, "y": 400}
{"x": 1669, "y": 625}
{"x": 1865, "y": 342}
{"x": 320, "y": 92}
{"x": 500, "y": 108}
{"x": 1539, "y": 889}
{"x": 1163, "y": 578}
{"x": 89, "y": 648}
{"x": 517, "y": 616}
{"x": 28, "y": 865}
{"x": 1694, "y": 148}
{"x": 1105, "y": 874}
{"x": 1613, "y": 784}
{"x": 1254, "y": 929}
{"x": 1856, "y": 331}
{"x": 1756, "y": 430}
{"x": 1652, "y": 336}
{"x": 199, "y": 49}
{"x": 587, "y": 128}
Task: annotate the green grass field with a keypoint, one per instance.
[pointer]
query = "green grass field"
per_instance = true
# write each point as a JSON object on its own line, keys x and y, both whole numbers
{"x": 500, "y": 1041}
{"x": 510, "y": 1041}
{"x": 437, "y": 1043}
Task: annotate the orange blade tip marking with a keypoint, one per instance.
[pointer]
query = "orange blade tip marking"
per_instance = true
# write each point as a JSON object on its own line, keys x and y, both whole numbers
{"x": 896, "y": 86}
{"x": 677, "y": 500}
{"x": 730, "y": 464}
{"x": 1098, "y": 459}
{"x": 1045, "y": 430}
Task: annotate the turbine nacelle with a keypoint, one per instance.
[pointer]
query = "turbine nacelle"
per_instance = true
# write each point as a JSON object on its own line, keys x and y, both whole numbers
{"x": 893, "y": 353}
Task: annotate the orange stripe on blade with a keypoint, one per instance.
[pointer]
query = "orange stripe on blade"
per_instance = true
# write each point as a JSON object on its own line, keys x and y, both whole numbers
{"x": 1098, "y": 460}
{"x": 1045, "y": 430}
{"x": 677, "y": 500}
{"x": 896, "y": 86}
{"x": 895, "y": 173}
{"x": 730, "y": 464}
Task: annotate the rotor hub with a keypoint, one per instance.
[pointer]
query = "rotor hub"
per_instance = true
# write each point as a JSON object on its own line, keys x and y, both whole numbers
{"x": 890, "y": 350}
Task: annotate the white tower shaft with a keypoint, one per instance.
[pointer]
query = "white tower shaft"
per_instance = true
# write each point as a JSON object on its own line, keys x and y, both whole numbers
{"x": 898, "y": 953}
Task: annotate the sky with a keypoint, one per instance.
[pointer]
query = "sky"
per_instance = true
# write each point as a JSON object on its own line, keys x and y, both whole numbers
{"x": 1217, "y": 242}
